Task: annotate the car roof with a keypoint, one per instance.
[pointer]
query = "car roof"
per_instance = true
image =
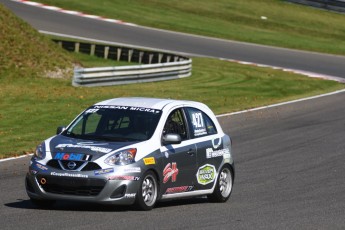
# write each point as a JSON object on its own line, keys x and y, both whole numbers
{"x": 153, "y": 103}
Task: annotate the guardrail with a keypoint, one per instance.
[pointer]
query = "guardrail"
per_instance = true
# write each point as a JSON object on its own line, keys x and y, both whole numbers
{"x": 153, "y": 65}
{"x": 335, "y": 5}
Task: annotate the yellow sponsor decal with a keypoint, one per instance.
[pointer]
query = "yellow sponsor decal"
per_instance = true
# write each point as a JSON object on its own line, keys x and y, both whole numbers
{"x": 149, "y": 161}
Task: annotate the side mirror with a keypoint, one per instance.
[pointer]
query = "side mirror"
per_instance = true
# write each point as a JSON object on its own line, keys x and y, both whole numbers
{"x": 60, "y": 129}
{"x": 171, "y": 138}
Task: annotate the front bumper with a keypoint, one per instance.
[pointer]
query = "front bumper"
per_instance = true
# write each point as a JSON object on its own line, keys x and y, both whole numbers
{"x": 110, "y": 188}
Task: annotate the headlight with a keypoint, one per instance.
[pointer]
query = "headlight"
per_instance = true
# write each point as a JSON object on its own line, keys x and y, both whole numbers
{"x": 40, "y": 152}
{"x": 123, "y": 157}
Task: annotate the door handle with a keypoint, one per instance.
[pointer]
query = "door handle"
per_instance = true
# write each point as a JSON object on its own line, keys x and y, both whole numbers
{"x": 190, "y": 152}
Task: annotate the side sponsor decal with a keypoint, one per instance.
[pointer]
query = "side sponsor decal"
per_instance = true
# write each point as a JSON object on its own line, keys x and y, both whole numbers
{"x": 210, "y": 153}
{"x": 69, "y": 175}
{"x": 206, "y": 174}
{"x": 170, "y": 171}
{"x": 149, "y": 161}
{"x": 123, "y": 177}
{"x": 103, "y": 171}
{"x": 179, "y": 189}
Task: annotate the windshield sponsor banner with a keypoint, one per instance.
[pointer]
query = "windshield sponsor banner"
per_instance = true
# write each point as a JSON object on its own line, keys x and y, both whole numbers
{"x": 132, "y": 108}
{"x": 69, "y": 175}
{"x": 93, "y": 148}
{"x": 206, "y": 174}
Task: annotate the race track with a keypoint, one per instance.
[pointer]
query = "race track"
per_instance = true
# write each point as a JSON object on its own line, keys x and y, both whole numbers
{"x": 289, "y": 175}
{"x": 289, "y": 168}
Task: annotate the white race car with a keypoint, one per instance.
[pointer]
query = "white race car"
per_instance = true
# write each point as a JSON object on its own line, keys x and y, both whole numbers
{"x": 134, "y": 151}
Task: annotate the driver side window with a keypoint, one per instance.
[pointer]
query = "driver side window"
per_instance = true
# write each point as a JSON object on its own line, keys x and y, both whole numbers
{"x": 176, "y": 124}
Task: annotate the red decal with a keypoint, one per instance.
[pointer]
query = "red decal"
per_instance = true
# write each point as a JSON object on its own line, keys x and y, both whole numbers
{"x": 65, "y": 157}
{"x": 170, "y": 172}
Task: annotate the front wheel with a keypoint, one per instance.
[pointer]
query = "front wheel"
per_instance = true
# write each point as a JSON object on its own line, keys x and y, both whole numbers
{"x": 147, "y": 193}
{"x": 223, "y": 187}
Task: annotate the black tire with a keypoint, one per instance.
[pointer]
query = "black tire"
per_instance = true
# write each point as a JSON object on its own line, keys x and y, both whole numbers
{"x": 42, "y": 203}
{"x": 147, "y": 193}
{"x": 223, "y": 188}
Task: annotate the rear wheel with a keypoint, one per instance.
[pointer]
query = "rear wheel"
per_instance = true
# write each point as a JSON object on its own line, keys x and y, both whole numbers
{"x": 223, "y": 188}
{"x": 147, "y": 194}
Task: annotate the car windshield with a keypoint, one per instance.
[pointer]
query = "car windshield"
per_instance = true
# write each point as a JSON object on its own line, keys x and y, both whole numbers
{"x": 115, "y": 123}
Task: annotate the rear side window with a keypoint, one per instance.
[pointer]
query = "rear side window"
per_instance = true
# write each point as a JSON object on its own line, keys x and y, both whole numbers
{"x": 201, "y": 124}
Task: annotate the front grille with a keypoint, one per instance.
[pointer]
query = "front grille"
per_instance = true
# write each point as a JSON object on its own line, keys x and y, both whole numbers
{"x": 90, "y": 166}
{"x": 73, "y": 186}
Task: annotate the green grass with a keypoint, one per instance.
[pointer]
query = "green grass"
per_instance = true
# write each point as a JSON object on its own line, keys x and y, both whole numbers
{"x": 288, "y": 25}
{"x": 31, "y": 114}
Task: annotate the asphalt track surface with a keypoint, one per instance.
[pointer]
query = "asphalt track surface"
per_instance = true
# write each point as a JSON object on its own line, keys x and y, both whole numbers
{"x": 289, "y": 175}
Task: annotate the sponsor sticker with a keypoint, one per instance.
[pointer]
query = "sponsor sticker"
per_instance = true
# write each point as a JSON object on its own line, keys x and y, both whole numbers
{"x": 123, "y": 177}
{"x": 206, "y": 174}
{"x": 130, "y": 195}
{"x": 69, "y": 156}
{"x": 69, "y": 175}
{"x": 92, "y": 148}
{"x": 42, "y": 167}
{"x": 170, "y": 171}
{"x": 103, "y": 171}
{"x": 149, "y": 161}
{"x": 132, "y": 170}
{"x": 210, "y": 153}
{"x": 179, "y": 189}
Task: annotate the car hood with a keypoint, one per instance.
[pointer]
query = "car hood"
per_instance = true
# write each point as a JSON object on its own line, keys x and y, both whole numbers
{"x": 82, "y": 149}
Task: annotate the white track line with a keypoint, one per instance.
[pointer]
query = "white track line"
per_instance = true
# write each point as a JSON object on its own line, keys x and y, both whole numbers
{"x": 13, "y": 158}
{"x": 283, "y": 103}
{"x": 72, "y": 12}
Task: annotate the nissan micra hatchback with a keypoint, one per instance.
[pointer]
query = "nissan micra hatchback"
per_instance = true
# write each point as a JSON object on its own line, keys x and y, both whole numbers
{"x": 138, "y": 151}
